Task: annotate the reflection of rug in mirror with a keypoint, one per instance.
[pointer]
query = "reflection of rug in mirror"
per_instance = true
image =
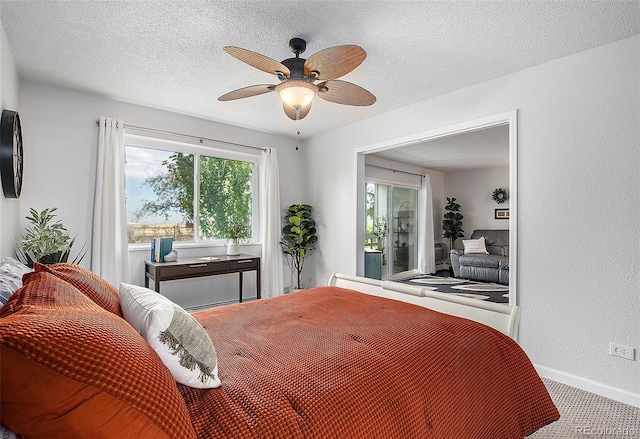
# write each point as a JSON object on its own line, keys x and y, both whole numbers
{"x": 481, "y": 287}
{"x": 438, "y": 281}
{"x": 491, "y": 292}
{"x": 472, "y": 296}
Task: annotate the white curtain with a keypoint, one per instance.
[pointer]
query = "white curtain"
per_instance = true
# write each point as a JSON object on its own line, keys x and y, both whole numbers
{"x": 426, "y": 249}
{"x": 109, "y": 248}
{"x": 271, "y": 270}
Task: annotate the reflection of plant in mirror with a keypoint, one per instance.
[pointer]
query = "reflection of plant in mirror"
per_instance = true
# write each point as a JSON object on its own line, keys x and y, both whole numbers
{"x": 45, "y": 241}
{"x": 452, "y": 222}
{"x": 381, "y": 230}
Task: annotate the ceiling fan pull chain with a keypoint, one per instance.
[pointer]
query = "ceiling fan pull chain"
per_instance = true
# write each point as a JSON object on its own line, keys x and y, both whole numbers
{"x": 297, "y": 138}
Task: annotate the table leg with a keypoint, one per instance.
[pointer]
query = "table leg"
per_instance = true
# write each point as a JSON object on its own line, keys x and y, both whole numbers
{"x": 156, "y": 279}
{"x": 258, "y": 287}
{"x": 240, "y": 287}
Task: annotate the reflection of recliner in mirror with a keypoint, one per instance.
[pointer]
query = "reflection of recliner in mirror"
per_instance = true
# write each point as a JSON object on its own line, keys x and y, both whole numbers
{"x": 489, "y": 266}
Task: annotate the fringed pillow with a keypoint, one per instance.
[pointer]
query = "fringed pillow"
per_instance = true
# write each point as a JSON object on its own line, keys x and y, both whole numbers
{"x": 179, "y": 340}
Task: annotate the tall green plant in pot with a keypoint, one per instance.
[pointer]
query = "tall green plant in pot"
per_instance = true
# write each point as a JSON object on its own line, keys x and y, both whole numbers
{"x": 46, "y": 240}
{"x": 452, "y": 222}
{"x": 299, "y": 236}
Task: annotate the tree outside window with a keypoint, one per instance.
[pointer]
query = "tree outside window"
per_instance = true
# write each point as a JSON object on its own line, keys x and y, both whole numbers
{"x": 161, "y": 188}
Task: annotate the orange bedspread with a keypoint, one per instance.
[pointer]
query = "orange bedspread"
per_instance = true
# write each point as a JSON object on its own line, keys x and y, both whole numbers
{"x": 335, "y": 363}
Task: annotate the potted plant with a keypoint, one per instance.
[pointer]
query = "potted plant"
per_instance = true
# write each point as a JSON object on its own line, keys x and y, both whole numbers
{"x": 236, "y": 231}
{"x": 452, "y": 222}
{"x": 381, "y": 231}
{"x": 46, "y": 240}
{"x": 299, "y": 236}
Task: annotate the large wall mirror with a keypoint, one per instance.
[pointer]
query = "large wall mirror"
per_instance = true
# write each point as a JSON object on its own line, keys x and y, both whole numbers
{"x": 468, "y": 161}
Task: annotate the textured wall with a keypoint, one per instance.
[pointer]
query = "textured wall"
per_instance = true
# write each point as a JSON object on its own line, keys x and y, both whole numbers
{"x": 472, "y": 190}
{"x": 578, "y": 176}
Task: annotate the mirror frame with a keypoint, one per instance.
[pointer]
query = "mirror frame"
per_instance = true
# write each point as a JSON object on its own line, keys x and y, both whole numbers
{"x": 508, "y": 118}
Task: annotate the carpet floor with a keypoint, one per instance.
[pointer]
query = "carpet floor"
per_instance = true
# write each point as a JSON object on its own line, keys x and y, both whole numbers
{"x": 584, "y": 414}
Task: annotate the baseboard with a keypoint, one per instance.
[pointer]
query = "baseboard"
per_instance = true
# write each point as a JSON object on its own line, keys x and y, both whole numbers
{"x": 442, "y": 266}
{"x": 605, "y": 390}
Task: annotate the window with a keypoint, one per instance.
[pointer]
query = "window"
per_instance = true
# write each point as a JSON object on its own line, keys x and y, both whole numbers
{"x": 188, "y": 192}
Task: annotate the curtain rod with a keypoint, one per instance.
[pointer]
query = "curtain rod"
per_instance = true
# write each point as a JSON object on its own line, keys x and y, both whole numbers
{"x": 394, "y": 170}
{"x": 201, "y": 139}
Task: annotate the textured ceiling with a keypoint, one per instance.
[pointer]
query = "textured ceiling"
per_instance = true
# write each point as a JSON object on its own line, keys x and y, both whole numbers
{"x": 168, "y": 54}
{"x": 484, "y": 148}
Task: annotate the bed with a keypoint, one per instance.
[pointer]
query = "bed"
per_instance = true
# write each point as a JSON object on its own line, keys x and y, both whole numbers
{"x": 356, "y": 359}
{"x": 500, "y": 317}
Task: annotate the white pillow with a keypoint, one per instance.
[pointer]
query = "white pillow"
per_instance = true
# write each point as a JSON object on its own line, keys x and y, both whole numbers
{"x": 475, "y": 246}
{"x": 179, "y": 340}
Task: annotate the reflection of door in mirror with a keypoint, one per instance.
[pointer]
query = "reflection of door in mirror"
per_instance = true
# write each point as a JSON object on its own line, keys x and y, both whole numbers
{"x": 405, "y": 243}
{"x": 390, "y": 225}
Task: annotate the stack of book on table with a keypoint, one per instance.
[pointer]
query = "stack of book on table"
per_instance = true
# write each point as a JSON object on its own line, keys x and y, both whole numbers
{"x": 160, "y": 247}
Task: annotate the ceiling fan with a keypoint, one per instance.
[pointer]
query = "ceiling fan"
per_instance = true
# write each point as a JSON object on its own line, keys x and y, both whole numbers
{"x": 298, "y": 77}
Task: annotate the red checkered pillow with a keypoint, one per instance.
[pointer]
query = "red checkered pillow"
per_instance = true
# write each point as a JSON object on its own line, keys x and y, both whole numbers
{"x": 92, "y": 285}
{"x": 71, "y": 368}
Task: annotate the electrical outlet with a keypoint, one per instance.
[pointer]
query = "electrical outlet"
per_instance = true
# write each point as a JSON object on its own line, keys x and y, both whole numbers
{"x": 622, "y": 351}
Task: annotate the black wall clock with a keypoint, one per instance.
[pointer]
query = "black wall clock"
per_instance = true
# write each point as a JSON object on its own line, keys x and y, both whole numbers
{"x": 11, "y": 160}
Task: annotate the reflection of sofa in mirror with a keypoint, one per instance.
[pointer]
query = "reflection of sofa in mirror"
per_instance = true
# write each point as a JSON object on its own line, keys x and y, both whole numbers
{"x": 492, "y": 266}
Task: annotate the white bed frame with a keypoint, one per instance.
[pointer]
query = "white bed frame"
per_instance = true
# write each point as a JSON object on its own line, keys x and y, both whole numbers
{"x": 502, "y": 317}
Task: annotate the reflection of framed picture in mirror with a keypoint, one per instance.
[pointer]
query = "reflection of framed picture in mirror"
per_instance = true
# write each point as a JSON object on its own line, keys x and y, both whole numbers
{"x": 502, "y": 214}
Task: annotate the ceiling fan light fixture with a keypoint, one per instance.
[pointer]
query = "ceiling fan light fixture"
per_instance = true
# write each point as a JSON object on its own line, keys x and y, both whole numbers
{"x": 297, "y": 94}
{"x": 297, "y": 76}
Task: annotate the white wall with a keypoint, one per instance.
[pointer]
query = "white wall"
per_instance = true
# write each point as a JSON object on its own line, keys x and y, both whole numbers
{"x": 472, "y": 189}
{"x": 9, "y": 100}
{"x": 578, "y": 176}
{"x": 60, "y": 131}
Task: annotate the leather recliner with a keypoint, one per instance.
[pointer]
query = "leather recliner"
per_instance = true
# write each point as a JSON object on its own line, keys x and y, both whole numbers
{"x": 493, "y": 267}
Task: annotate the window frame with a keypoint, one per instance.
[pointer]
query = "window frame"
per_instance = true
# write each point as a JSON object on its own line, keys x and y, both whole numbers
{"x": 211, "y": 149}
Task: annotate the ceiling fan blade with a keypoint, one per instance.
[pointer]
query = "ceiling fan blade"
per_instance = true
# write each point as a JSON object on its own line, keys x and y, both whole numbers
{"x": 252, "y": 90}
{"x": 335, "y": 61}
{"x": 346, "y": 93}
{"x": 291, "y": 112}
{"x": 257, "y": 60}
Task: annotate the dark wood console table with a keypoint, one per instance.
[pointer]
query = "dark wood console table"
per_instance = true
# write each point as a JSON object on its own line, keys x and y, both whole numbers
{"x": 186, "y": 268}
